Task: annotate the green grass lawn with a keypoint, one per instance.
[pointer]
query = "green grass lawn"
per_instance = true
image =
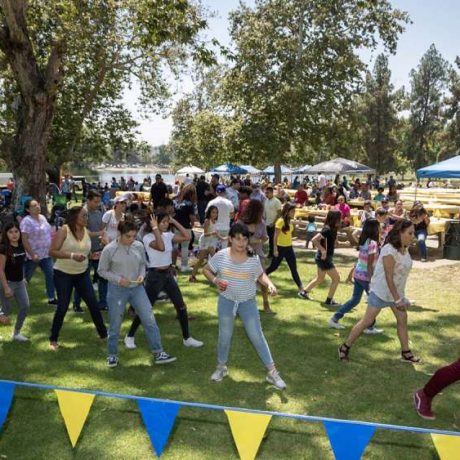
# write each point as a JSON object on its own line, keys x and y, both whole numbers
{"x": 373, "y": 386}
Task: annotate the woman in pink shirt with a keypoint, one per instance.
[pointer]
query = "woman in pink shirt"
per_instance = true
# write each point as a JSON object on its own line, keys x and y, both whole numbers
{"x": 344, "y": 210}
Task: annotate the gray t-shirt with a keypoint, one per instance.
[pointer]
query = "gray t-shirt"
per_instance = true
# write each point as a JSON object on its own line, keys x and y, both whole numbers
{"x": 95, "y": 225}
{"x": 241, "y": 277}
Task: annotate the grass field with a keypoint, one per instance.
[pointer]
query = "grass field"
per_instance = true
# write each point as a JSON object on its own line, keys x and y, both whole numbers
{"x": 373, "y": 386}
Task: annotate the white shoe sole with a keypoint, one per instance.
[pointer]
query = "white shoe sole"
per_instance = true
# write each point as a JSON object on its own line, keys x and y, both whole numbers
{"x": 271, "y": 382}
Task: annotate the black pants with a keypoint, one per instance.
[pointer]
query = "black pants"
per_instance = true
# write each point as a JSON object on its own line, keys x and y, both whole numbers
{"x": 64, "y": 284}
{"x": 271, "y": 236}
{"x": 155, "y": 282}
{"x": 286, "y": 252}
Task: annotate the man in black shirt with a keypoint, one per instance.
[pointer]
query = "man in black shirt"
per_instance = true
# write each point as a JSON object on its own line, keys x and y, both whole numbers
{"x": 202, "y": 193}
{"x": 158, "y": 192}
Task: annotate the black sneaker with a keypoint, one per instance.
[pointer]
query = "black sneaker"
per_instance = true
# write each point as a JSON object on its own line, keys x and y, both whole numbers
{"x": 305, "y": 295}
{"x": 164, "y": 358}
{"x": 112, "y": 361}
{"x": 78, "y": 309}
{"x": 332, "y": 303}
{"x": 52, "y": 302}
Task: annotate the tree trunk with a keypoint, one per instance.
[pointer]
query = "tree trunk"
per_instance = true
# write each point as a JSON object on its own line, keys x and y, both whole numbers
{"x": 277, "y": 171}
{"x": 30, "y": 149}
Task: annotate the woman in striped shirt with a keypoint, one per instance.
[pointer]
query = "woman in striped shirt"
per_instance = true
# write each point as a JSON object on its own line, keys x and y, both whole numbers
{"x": 235, "y": 272}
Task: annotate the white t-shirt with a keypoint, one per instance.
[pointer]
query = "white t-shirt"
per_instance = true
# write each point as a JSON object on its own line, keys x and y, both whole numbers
{"x": 112, "y": 224}
{"x": 159, "y": 258}
{"x": 271, "y": 208}
{"x": 403, "y": 264}
{"x": 322, "y": 181}
{"x": 225, "y": 208}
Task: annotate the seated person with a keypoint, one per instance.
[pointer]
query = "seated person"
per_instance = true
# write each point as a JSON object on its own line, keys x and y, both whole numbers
{"x": 344, "y": 209}
{"x": 380, "y": 195}
{"x": 301, "y": 196}
{"x": 365, "y": 193}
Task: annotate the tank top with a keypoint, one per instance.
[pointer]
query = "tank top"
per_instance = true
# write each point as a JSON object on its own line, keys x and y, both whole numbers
{"x": 71, "y": 244}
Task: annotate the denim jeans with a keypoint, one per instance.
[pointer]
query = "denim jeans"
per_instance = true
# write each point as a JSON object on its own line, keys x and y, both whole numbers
{"x": 22, "y": 300}
{"x": 286, "y": 252}
{"x": 358, "y": 289}
{"x": 101, "y": 285}
{"x": 249, "y": 314}
{"x": 46, "y": 266}
{"x": 421, "y": 236}
{"x": 117, "y": 298}
{"x": 65, "y": 283}
{"x": 184, "y": 250}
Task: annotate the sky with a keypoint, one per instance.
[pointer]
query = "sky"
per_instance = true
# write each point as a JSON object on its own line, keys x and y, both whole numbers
{"x": 433, "y": 21}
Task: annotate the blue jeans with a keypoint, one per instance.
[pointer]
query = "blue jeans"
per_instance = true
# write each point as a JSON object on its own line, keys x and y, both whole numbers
{"x": 117, "y": 298}
{"x": 358, "y": 289}
{"x": 46, "y": 266}
{"x": 22, "y": 301}
{"x": 421, "y": 236}
{"x": 65, "y": 283}
{"x": 250, "y": 316}
{"x": 101, "y": 285}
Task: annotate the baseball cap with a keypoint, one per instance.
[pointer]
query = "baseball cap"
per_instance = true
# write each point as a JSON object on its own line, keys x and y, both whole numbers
{"x": 120, "y": 199}
{"x": 220, "y": 188}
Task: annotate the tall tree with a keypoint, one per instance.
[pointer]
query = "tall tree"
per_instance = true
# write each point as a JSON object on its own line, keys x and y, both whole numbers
{"x": 295, "y": 66}
{"x": 428, "y": 83}
{"x": 70, "y": 61}
{"x": 380, "y": 117}
{"x": 452, "y": 114}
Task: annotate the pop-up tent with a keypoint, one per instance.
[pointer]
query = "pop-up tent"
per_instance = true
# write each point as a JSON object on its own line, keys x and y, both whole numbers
{"x": 228, "y": 168}
{"x": 303, "y": 170}
{"x": 250, "y": 169}
{"x": 446, "y": 169}
{"x": 270, "y": 170}
{"x": 340, "y": 166}
{"x": 189, "y": 170}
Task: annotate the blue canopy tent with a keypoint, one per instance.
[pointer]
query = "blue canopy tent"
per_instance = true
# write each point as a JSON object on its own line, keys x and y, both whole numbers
{"x": 250, "y": 169}
{"x": 448, "y": 169}
{"x": 270, "y": 170}
{"x": 228, "y": 168}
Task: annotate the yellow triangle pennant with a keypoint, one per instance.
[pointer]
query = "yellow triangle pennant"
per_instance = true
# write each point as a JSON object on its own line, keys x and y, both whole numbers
{"x": 74, "y": 408}
{"x": 248, "y": 430}
{"x": 448, "y": 447}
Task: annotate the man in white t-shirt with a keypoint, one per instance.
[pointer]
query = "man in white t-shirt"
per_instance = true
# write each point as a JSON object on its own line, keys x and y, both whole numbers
{"x": 226, "y": 211}
{"x": 322, "y": 181}
{"x": 272, "y": 211}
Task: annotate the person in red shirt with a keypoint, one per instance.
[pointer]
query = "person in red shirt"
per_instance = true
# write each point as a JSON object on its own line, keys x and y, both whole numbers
{"x": 301, "y": 196}
{"x": 244, "y": 194}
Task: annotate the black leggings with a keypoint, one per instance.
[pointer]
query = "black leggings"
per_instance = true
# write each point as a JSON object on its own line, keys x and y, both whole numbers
{"x": 155, "y": 282}
{"x": 286, "y": 252}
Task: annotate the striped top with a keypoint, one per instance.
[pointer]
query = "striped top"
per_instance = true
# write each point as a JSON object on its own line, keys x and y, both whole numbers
{"x": 241, "y": 277}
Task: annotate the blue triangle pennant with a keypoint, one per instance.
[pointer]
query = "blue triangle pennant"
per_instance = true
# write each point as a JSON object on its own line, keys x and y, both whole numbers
{"x": 159, "y": 418}
{"x": 6, "y": 397}
{"x": 348, "y": 440}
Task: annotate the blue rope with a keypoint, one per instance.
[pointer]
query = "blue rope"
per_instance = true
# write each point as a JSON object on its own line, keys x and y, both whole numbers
{"x": 309, "y": 418}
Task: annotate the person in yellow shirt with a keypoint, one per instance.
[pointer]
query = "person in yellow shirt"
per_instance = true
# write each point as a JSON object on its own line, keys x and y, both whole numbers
{"x": 282, "y": 248}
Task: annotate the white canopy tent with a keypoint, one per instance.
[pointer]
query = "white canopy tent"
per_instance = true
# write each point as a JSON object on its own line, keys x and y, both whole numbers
{"x": 189, "y": 170}
{"x": 251, "y": 170}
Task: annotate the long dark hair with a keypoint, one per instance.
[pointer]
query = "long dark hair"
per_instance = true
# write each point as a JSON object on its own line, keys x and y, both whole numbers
{"x": 394, "y": 236}
{"x": 241, "y": 229}
{"x": 371, "y": 230}
{"x": 287, "y": 208}
{"x": 333, "y": 219}
{"x": 253, "y": 212}
{"x": 6, "y": 242}
{"x": 209, "y": 210}
{"x": 72, "y": 217}
{"x": 159, "y": 217}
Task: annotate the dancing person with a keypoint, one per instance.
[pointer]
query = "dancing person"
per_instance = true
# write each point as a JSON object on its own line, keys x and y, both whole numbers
{"x": 158, "y": 243}
{"x": 226, "y": 211}
{"x": 235, "y": 272}
{"x": 272, "y": 212}
{"x": 12, "y": 282}
{"x": 71, "y": 247}
{"x": 113, "y": 217}
{"x": 387, "y": 289}
{"x": 282, "y": 245}
{"x": 253, "y": 218}
{"x": 208, "y": 240}
{"x": 311, "y": 231}
{"x": 123, "y": 265}
{"x": 324, "y": 242}
{"x": 158, "y": 191}
{"x": 36, "y": 238}
{"x": 442, "y": 378}
{"x": 367, "y": 259}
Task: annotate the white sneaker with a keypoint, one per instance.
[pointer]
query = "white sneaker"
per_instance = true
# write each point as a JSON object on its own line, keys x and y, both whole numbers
{"x": 192, "y": 343}
{"x": 95, "y": 286}
{"x": 19, "y": 338}
{"x": 186, "y": 269}
{"x": 274, "y": 378}
{"x": 335, "y": 324}
{"x": 372, "y": 331}
{"x": 130, "y": 343}
{"x": 219, "y": 374}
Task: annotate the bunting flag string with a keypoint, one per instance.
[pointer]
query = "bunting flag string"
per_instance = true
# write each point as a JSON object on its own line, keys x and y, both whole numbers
{"x": 6, "y": 398}
{"x": 448, "y": 447}
{"x": 248, "y": 429}
{"x": 159, "y": 418}
{"x": 348, "y": 440}
{"x": 75, "y": 407}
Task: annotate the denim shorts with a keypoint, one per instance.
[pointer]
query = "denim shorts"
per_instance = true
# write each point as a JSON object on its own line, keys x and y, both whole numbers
{"x": 374, "y": 301}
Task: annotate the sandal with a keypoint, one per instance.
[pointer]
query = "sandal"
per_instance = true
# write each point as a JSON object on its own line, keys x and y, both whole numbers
{"x": 192, "y": 279}
{"x": 408, "y": 357}
{"x": 343, "y": 351}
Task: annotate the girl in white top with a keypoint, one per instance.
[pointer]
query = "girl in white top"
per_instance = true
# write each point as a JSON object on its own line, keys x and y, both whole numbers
{"x": 112, "y": 218}
{"x": 158, "y": 243}
{"x": 387, "y": 289}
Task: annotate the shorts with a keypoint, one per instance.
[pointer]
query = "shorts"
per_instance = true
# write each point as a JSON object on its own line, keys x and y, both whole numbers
{"x": 375, "y": 301}
{"x": 324, "y": 265}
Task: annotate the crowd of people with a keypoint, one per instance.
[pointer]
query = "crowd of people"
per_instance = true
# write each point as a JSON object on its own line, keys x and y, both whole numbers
{"x": 129, "y": 255}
